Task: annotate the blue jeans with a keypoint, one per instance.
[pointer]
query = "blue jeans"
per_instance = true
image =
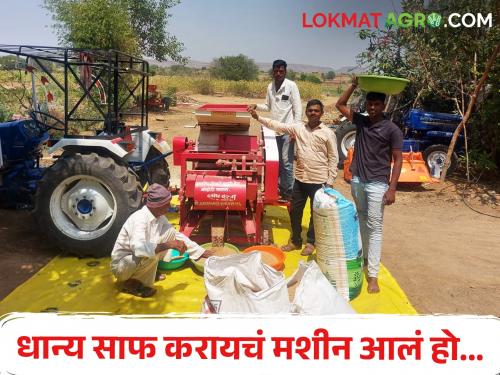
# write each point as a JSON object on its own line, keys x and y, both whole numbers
{"x": 368, "y": 197}
{"x": 286, "y": 152}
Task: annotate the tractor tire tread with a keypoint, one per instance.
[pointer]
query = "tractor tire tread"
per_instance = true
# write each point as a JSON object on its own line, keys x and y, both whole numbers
{"x": 124, "y": 186}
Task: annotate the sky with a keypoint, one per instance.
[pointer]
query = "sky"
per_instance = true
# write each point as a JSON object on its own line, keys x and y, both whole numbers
{"x": 264, "y": 30}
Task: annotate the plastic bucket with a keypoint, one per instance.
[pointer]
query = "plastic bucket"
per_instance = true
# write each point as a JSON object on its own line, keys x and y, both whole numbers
{"x": 355, "y": 276}
{"x": 173, "y": 264}
{"x": 384, "y": 84}
{"x": 345, "y": 275}
{"x": 272, "y": 256}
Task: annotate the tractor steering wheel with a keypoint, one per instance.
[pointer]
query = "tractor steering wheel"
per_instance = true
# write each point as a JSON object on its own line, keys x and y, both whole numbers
{"x": 33, "y": 116}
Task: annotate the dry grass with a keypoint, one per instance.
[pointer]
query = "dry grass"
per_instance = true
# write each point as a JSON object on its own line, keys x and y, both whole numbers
{"x": 12, "y": 82}
{"x": 246, "y": 89}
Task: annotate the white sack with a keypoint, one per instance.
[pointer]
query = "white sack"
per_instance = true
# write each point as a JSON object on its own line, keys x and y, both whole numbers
{"x": 244, "y": 284}
{"x": 314, "y": 294}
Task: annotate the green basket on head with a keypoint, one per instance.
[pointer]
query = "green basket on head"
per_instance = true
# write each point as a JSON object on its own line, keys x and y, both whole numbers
{"x": 383, "y": 84}
{"x": 173, "y": 264}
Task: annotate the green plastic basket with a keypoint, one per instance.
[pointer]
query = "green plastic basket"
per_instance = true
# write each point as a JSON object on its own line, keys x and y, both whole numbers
{"x": 173, "y": 264}
{"x": 383, "y": 84}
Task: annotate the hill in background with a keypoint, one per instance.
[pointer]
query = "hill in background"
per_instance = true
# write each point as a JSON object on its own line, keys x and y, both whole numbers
{"x": 301, "y": 68}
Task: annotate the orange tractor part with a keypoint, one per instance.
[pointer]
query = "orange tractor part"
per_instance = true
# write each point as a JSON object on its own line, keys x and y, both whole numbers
{"x": 413, "y": 170}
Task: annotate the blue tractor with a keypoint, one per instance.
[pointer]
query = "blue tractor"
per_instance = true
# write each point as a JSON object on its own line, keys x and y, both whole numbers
{"x": 21, "y": 145}
{"x": 82, "y": 188}
{"x": 426, "y": 132}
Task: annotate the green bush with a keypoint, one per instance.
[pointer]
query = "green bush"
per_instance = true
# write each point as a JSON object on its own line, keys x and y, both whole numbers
{"x": 235, "y": 68}
{"x": 5, "y": 114}
{"x": 329, "y": 75}
{"x": 480, "y": 161}
{"x": 171, "y": 92}
{"x": 309, "y": 77}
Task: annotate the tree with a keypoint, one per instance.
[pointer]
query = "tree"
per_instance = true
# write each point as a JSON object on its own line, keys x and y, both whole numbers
{"x": 8, "y": 62}
{"x": 472, "y": 102}
{"x": 153, "y": 69}
{"x": 441, "y": 62}
{"x": 235, "y": 68}
{"x": 149, "y": 21}
{"x": 133, "y": 26}
{"x": 309, "y": 77}
{"x": 330, "y": 74}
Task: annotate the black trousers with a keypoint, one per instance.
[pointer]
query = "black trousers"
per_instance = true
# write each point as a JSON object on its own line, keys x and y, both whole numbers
{"x": 302, "y": 191}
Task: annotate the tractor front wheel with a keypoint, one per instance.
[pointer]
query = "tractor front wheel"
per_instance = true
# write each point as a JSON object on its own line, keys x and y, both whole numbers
{"x": 346, "y": 136}
{"x": 435, "y": 157}
{"x": 82, "y": 202}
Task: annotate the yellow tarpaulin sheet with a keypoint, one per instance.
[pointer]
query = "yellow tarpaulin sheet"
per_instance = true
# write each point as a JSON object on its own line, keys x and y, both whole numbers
{"x": 87, "y": 285}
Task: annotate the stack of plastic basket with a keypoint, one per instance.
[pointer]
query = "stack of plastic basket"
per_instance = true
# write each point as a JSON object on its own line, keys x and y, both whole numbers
{"x": 338, "y": 242}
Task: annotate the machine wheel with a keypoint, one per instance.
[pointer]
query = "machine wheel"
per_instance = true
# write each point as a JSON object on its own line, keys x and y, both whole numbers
{"x": 82, "y": 202}
{"x": 435, "y": 156}
{"x": 346, "y": 135}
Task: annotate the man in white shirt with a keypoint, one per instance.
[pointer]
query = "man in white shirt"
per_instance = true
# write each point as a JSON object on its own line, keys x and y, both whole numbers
{"x": 144, "y": 239}
{"x": 283, "y": 100}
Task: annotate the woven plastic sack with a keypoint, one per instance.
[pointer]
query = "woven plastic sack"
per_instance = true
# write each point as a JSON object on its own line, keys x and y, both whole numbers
{"x": 244, "y": 284}
{"x": 313, "y": 293}
{"x": 338, "y": 241}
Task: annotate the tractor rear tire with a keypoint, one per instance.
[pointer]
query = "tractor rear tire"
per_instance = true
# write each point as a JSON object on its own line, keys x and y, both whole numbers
{"x": 346, "y": 135}
{"x": 82, "y": 202}
{"x": 159, "y": 171}
{"x": 435, "y": 156}
{"x": 160, "y": 174}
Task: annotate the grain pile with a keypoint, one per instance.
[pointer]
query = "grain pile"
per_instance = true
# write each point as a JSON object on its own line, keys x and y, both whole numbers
{"x": 268, "y": 258}
{"x": 223, "y": 251}
{"x": 218, "y": 252}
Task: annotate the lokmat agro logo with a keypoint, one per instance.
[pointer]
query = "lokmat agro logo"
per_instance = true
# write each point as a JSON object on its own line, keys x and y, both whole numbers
{"x": 433, "y": 20}
{"x": 341, "y": 20}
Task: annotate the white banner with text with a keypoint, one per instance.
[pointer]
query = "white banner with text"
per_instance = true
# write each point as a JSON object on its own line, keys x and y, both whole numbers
{"x": 209, "y": 344}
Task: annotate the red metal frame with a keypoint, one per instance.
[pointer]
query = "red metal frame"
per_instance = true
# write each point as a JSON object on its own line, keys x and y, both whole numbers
{"x": 240, "y": 158}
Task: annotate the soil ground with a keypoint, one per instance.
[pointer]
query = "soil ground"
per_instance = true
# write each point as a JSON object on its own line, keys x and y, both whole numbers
{"x": 443, "y": 253}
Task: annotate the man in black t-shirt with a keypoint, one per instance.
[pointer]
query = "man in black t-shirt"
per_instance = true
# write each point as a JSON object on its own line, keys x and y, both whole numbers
{"x": 378, "y": 142}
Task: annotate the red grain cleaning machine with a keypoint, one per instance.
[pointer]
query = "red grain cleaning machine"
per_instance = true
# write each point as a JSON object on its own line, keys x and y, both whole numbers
{"x": 228, "y": 175}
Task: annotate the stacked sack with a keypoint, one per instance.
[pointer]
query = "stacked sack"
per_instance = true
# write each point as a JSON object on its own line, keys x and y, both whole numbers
{"x": 338, "y": 242}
